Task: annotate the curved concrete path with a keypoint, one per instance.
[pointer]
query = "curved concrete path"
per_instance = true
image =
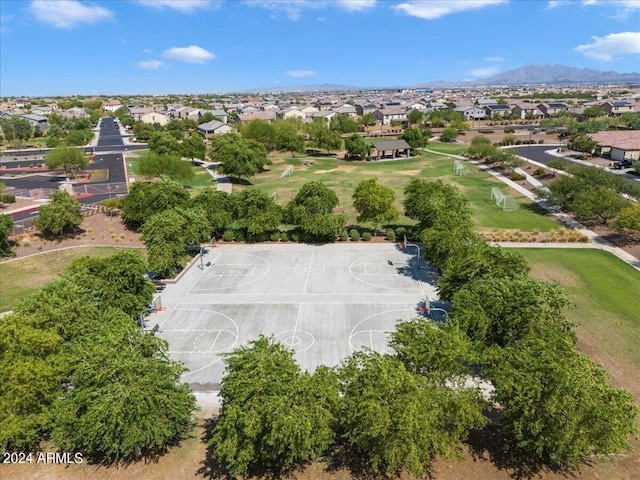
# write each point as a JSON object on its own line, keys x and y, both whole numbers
{"x": 223, "y": 184}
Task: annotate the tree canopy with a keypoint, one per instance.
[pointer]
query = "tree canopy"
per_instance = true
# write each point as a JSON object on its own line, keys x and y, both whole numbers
{"x": 240, "y": 157}
{"x": 60, "y": 215}
{"x": 357, "y": 147}
{"x": 147, "y": 199}
{"x": 311, "y": 209}
{"x": 256, "y": 212}
{"x": 374, "y": 202}
{"x": 69, "y": 158}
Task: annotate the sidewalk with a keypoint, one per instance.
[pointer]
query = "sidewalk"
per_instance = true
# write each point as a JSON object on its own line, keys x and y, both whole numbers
{"x": 563, "y": 218}
{"x": 223, "y": 184}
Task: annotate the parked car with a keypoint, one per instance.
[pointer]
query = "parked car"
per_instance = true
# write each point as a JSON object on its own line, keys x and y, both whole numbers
{"x": 622, "y": 164}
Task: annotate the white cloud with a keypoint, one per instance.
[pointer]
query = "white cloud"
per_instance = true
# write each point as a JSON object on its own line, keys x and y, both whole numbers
{"x": 612, "y": 45}
{"x": 493, "y": 59}
{"x": 190, "y": 54}
{"x": 184, "y": 6}
{"x": 356, "y": 5}
{"x": 438, "y": 8}
{"x": 150, "y": 64}
{"x": 67, "y": 13}
{"x": 551, "y": 4}
{"x": 485, "y": 71}
{"x": 301, "y": 73}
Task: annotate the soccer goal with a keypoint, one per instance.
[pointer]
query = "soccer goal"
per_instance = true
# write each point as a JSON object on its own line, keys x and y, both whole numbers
{"x": 507, "y": 203}
{"x": 459, "y": 168}
{"x": 287, "y": 172}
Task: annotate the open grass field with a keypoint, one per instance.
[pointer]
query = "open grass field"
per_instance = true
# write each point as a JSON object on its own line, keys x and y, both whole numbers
{"x": 343, "y": 176}
{"x": 20, "y": 277}
{"x": 604, "y": 290}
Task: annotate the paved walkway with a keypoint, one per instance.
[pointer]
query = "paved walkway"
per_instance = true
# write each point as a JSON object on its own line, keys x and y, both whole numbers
{"x": 596, "y": 240}
{"x": 223, "y": 184}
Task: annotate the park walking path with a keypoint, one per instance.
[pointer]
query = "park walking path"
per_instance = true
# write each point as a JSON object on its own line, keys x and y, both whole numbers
{"x": 596, "y": 240}
{"x": 223, "y": 184}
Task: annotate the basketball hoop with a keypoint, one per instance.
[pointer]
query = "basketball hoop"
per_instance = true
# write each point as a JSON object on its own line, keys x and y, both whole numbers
{"x": 401, "y": 244}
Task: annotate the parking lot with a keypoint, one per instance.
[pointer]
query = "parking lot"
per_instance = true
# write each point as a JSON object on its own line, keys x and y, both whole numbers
{"x": 322, "y": 301}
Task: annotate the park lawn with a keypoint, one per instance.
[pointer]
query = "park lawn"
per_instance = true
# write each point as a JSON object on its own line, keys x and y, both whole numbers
{"x": 451, "y": 148}
{"x": 201, "y": 180}
{"x": 604, "y": 290}
{"x": 20, "y": 277}
{"x": 343, "y": 176}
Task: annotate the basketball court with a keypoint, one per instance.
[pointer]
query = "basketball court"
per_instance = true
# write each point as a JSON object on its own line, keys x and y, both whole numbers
{"x": 322, "y": 301}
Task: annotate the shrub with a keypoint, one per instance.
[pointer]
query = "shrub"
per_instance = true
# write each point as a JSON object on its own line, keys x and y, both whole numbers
{"x": 509, "y": 130}
{"x": 355, "y": 235}
{"x": 344, "y": 236}
{"x": 239, "y": 235}
{"x": 390, "y": 234}
{"x": 401, "y": 232}
{"x": 541, "y": 141}
{"x": 486, "y": 132}
{"x": 8, "y": 198}
{"x": 295, "y": 236}
{"x": 366, "y": 236}
{"x": 275, "y": 236}
{"x": 538, "y": 171}
{"x": 516, "y": 177}
{"x": 284, "y": 237}
{"x": 250, "y": 238}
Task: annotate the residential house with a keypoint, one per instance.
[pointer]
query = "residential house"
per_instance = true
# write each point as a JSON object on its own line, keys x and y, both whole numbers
{"x": 550, "y": 109}
{"x": 42, "y": 110}
{"x": 617, "y": 108}
{"x": 498, "y": 109}
{"x": 472, "y": 112}
{"x": 291, "y": 112}
{"x": 386, "y": 115}
{"x": 37, "y": 120}
{"x": 214, "y": 127}
{"x": 363, "y": 108}
{"x": 75, "y": 112}
{"x": 350, "y": 110}
{"x": 155, "y": 117}
{"x": 325, "y": 115}
{"x": 309, "y": 110}
{"x": 111, "y": 105}
{"x": 526, "y": 111}
{"x": 259, "y": 115}
{"x": 620, "y": 145}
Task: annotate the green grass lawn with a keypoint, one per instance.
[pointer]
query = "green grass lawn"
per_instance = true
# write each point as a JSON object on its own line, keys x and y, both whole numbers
{"x": 343, "y": 176}
{"x": 605, "y": 291}
{"x": 20, "y": 277}
{"x": 452, "y": 148}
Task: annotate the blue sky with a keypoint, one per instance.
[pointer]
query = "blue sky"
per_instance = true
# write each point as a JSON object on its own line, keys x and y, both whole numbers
{"x": 66, "y": 47}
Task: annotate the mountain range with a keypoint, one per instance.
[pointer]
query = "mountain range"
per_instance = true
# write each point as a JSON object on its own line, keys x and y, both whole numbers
{"x": 530, "y": 74}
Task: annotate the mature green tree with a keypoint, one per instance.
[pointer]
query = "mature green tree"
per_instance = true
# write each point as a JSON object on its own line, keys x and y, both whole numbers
{"x": 125, "y": 402}
{"x": 398, "y": 421}
{"x": 415, "y": 117}
{"x": 217, "y": 207}
{"x": 312, "y": 210}
{"x": 287, "y": 141}
{"x": 448, "y": 238}
{"x": 147, "y": 199}
{"x": 72, "y": 160}
{"x": 594, "y": 111}
{"x": 241, "y": 157}
{"x": 596, "y": 203}
{"x": 559, "y": 408}
{"x": 477, "y": 261}
{"x": 415, "y": 138}
{"x": 427, "y": 202}
{"x": 502, "y": 311}
{"x": 16, "y": 128}
{"x": 31, "y": 375}
{"x": 628, "y": 218}
{"x": 143, "y": 131}
{"x": 6, "y": 224}
{"x": 368, "y": 120}
{"x": 261, "y": 131}
{"x": 153, "y": 164}
{"x": 322, "y": 137}
{"x": 118, "y": 281}
{"x": 255, "y": 211}
{"x": 357, "y": 148}
{"x": 343, "y": 123}
{"x": 166, "y": 235}
{"x": 163, "y": 143}
{"x": 481, "y": 148}
{"x": 60, "y": 215}
{"x": 583, "y": 143}
{"x": 449, "y": 134}
{"x": 193, "y": 147}
{"x": 374, "y": 202}
{"x": 435, "y": 351}
{"x": 273, "y": 416}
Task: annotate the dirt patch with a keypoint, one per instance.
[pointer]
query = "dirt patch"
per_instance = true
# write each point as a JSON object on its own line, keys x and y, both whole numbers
{"x": 98, "y": 229}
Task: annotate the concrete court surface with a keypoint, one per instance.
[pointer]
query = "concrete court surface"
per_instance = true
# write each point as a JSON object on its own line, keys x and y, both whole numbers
{"x": 322, "y": 301}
